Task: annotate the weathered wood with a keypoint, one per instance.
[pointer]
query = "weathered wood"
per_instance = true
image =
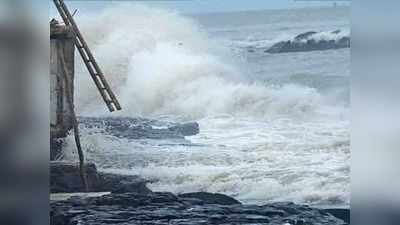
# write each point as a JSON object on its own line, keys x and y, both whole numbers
{"x": 60, "y": 120}
{"x": 58, "y": 31}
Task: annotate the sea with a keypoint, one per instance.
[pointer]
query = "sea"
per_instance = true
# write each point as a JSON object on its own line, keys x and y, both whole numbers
{"x": 273, "y": 127}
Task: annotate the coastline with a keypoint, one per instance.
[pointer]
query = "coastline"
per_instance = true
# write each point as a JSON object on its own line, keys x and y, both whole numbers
{"x": 127, "y": 201}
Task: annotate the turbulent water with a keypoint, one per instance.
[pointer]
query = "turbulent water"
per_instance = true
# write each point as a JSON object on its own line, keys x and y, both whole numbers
{"x": 273, "y": 127}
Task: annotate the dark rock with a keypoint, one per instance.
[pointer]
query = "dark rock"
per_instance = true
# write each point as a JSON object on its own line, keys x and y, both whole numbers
{"x": 304, "y": 42}
{"x": 65, "y": 178}
{"x": 138, "y": 128}
{"x": 304, "y": 36}
{"x": 211, "y": 198}
{"x": 166, "y": 208}
{"x": 121, "y": 184}
{"x": 344, "y": 41}
{"x": 343, "y": 214}
{"x": 186, "y": 129}
{"x": 251, "y": 49}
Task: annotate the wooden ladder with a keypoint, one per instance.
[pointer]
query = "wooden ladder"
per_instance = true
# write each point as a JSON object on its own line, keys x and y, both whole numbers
{"x": 88, "y": 58}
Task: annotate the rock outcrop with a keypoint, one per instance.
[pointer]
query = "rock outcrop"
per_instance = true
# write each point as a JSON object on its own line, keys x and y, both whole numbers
{"x": 166, "y": 208}
{"x": 312, "y": 41}
{"x": 137, "y": 128}
{"x": 343, "y": 214}
{"x": 131, "y": 202}
{"x": 131, "y": 128}
{"x": 65, "y": 178}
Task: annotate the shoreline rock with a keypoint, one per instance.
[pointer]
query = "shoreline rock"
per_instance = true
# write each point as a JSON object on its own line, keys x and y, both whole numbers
{"x": 65, "y": 178}
{"x": 211, "y": 198}
{"x": 167, "y": 208}
{"x": 131, "y": 202}
{"x": 309, "y": 41}
{"x": 130, "y": 128}
{"x": 138, "y": 128}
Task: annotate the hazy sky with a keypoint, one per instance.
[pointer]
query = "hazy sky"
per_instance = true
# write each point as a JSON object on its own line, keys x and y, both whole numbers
{"x": 201, "y": 6}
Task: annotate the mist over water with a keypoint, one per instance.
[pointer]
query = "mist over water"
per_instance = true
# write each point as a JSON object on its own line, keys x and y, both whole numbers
{"x": 272, "y": 127}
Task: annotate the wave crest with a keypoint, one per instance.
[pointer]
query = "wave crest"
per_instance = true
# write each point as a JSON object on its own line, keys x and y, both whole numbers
{"x": 160, "y": 62}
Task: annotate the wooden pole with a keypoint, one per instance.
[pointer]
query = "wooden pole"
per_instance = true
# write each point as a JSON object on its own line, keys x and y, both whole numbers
{"x": 69, "y": 96}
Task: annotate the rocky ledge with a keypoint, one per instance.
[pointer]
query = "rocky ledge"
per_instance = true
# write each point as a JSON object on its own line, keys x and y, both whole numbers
{"x": 166, "y": 208}
{"x": 65, "y": 178}
{"x": 312, "y": 41}
{"x": 138, "y": 128}
{"x": 130, "y": 128}
{"x": 131, "y": 202}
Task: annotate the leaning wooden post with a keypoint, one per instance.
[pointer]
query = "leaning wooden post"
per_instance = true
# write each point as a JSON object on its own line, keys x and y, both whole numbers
{"x": 69, "y": 96}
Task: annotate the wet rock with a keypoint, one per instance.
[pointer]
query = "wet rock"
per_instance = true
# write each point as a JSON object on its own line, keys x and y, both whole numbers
{"x": 166, "y": 208}
{"x": 138, "y": 128}
{"x": 186, "y": 129}
{"x": 121, "y": 184}
{"x": 65, "y": 178}
{"x": 211, "y": 198}
{"x": 308, "y": 42}
{"x": 343, "y": 214}
{"x": 304, "y": 36}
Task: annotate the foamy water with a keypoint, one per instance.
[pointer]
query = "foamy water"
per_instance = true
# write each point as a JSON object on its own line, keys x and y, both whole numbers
{"x": 265, "y": 134}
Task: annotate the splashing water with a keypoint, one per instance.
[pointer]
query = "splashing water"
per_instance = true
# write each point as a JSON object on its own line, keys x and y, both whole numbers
{"x": 258, "y": 141}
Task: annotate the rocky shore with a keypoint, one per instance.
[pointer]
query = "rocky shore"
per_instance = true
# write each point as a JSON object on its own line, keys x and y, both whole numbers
{"x": 131, "y": 202}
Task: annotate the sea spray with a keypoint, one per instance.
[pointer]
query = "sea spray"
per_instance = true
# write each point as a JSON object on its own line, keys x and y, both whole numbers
{"x": 259, "y": 141}
{"x": 162, "y": 63}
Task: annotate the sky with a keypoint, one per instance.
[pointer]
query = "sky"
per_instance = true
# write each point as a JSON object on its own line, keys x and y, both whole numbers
{"x": 205, "y": 6}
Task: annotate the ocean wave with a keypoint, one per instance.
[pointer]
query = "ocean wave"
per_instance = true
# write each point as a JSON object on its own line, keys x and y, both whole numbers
{"x": 159, "y": 62}
{"x": 257, "y": 141}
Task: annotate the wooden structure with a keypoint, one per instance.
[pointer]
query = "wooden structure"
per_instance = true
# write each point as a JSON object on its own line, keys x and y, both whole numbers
{"x": 61, "y": 40}
{"x": 64, "y": 39}
{"x": 94, "y": 70}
